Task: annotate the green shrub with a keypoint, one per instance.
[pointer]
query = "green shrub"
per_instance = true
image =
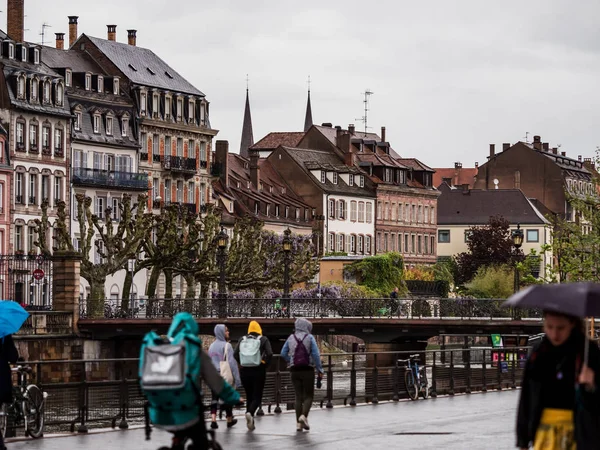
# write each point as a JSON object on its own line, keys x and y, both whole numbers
{"x": 492, "y": 282}
{"x": 380, "y": 273}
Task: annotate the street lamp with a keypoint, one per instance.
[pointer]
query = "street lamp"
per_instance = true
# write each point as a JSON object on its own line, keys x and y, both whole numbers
{"x": 222, "y": 239}
{"x": 131, "y": 266}
{"x": 517, "y": 237}
{"x": 287, "y": 249}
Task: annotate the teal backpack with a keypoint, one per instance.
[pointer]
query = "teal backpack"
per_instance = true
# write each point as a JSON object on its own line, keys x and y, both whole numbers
{"x": 169, "y": 374}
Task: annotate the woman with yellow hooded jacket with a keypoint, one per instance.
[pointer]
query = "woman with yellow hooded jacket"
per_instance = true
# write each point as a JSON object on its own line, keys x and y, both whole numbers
{"x": 253, "y": 353}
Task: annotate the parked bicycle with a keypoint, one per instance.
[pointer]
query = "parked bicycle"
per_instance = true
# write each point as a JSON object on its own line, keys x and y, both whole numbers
{"x": 27, "y": 407}
{"x": 415, "y": 378}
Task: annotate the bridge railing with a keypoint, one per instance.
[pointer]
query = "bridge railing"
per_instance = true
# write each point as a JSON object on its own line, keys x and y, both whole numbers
{"x": 403, "y": 308}
{"x": 99, "y": 393}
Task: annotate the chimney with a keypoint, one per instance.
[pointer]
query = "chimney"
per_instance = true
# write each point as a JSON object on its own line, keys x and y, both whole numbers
{"x": 465, "y": 188}
{"x": 132, "y": 37}
{"x": 492, "y": 150}
{"x": 327, "y": 125}
{"x": 563, "y": 153}
{"x": 383, "y": 134}
{"x": 579, "y": 158}
{"x": 457, "y": 165}
{"x": 537, "y": 142}
{"x": 60, "y": 41}
{"x": 338, "y": 134}
{"x": 351, "y": 128}
{"x": 15, "y": 19}
{"x": 505, "y": 146}
{"x": 476, "y": 165}
{"x": 254, "y": 169}
{"x": 349, "y": 159}
{"x": 112, "y": 32}
{"x": 221, "y": 155}
{"x": 555, "y": 150}
{"x": 72, "y": 30}
{"x": 343, "y": 142}
{"x": 546, "y": 147}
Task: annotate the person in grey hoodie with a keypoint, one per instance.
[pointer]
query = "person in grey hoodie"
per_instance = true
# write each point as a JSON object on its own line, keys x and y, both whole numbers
{"x": 303, "y": 372}
{"x": 217, "y": 352}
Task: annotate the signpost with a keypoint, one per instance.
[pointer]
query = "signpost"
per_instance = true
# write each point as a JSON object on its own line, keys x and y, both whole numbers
{"x": 38, "y": 274}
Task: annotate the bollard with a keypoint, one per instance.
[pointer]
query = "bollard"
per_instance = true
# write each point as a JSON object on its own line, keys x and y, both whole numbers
{"x": 83, "y": 406}
{"x": 395, "y": 375}
{"x": 515, "y": 361}
{"x": 277, "y": 389}
{"x": 468, "y": 369}
{"x": 451, "y": 390}
{"x": 484, "y": 374}
{"x": 499, "y": 372}
{"x": 433, "y": 392}
{"x": 329, "y": 383}
{"x": 375, "y": 400}
{"x": 353, "y": 378}
{"x": 123, "y": 425}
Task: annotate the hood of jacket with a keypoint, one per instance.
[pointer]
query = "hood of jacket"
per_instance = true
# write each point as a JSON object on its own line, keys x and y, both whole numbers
{"x": 303, "y": 325}
{"x": 220, "y": 332}
{"x": 183, "y": 322}
{"x": 254, "y": 327}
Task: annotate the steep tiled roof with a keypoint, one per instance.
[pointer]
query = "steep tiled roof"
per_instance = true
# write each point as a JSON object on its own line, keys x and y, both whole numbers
{"x": 459, "y": 175}
{"x": 475, "y": 207}
{"x": 331, "y": 135}
{"x": 415, "y": 164}
{"x": 143, "y": 66}
{"x": 273, "y": 140}
{"x": 76, "y": 61}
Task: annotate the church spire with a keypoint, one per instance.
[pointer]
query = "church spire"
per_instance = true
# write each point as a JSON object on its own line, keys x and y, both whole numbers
{"x": 247, "y": 135}
{"x": 308, "y": 118}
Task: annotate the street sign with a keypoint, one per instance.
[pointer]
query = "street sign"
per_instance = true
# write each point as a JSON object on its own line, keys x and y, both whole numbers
{"x": 38, "y": 274}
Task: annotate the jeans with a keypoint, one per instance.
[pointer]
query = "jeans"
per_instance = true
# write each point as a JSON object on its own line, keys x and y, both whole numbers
{"x": 253, "y": 380}
{"x": 214, "y": 406}
{"x": 197, "y": 434}
{"x": 303, "y": 380}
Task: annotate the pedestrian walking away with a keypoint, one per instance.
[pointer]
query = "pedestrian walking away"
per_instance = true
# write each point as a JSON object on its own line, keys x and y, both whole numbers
{"x": 559, "y": 406}
{"x": 8, "y": 355}
{"x": 302, "y": 354}
{"x": 254, "y": 354}
{"x": 222, "y": 356}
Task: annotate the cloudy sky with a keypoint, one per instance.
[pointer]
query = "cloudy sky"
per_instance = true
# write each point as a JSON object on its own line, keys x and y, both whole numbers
{"x": 449, "y": 78}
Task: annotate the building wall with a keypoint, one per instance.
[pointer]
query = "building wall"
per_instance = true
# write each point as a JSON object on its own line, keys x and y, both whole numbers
{"x": 348, "y": 227}
{"x": 332, "y": 270}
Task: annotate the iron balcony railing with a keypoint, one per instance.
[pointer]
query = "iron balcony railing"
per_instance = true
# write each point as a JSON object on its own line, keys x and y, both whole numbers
{"x": 100, "y": 393}
{"x": 179, "y": 164}
{"x": 108, "y": 178}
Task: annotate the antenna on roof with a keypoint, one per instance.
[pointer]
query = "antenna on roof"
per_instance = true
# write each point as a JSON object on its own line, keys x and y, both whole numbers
{"x": 527, "y": 137}
{"x": 363, "y": 119}
{"x": 43, "y": 33}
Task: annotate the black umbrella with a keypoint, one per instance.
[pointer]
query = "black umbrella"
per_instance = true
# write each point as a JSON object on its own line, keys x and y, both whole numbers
{"x": 575, "y": 299}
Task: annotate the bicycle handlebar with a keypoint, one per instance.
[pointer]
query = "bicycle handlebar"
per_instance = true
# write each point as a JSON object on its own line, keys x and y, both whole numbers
{"x": 22, "y": 369}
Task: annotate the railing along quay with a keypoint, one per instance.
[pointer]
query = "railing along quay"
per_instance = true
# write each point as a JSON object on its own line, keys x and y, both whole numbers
{"x": 99, "y": 393}
{"x": 407, "y": 308}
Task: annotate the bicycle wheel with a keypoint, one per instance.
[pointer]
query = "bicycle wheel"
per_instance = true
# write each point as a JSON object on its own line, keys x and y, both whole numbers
{"x": 424, "y": 384}
{"x": 34, "y": 411}
{"x": 411, "y": 387}
{"x": 4, "y": 411}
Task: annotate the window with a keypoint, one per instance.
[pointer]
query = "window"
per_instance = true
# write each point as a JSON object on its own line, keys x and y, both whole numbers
{"x": 46, "y": 137}
{"x": 109, "y": 125}
{"x": 331, "y": 209}
{"x": 353, "y": 211}
{"x": 287, "y": 212}
{"x": 143, "y": 103}
{"x": 155, "y": 187}
{"x": 19, "y": 188}
{"x": 202, "y": 151}
{"x": 351, "y": 180}
{"x": 276, "y": 210}
{"x": 432, "y": 244}
{"x": 88, "y": 82}
{"x": 432, "y": 215}
{"x": 368, "y": 245}
{"x": 167, "y": 196}
{"x": 125, "y": 129}
{"x": 60, "y": 93}
{"x": 32, "y": 189}
{"x": 360, "y": 248}
{"x": 191, "y": 107}
{"x": 426, "y": 245}
{"x": 533, "y": 236}
{"x": 323, "y": 176}
{"x": 97, "y": 161}
{"x": 468, "y": 235}
{"x": 155, "y": 105}
{"x": 78, "y": 119}
{"x": 21, "y": 87}
{"x": 68, "y": 78}
{"x": 35, "y": 89}
{"x": 379, "y": 210}
{"x": 191, "y": 193}
{"x": 45, "y": 188}
{"x": 36, "y": 56}
{"x": 20, "y": 135}
{"x": 1, "y": 200}
{"x": 341, "y": 205}
{"x": 155, "y": 142}
{"x": 57, "y": 189}
{"x": 332, "y": 242}
{"x": 369, "y": 212}
{"x": 420, "y": 214}
{"x": 362, "y": 181}
{"x": 335, "y": 178}
{"x": 23, "y": 53}
{"x": 168, "y": 145}
{"x": 191, "y": 148}
{"x": 19, "y": 238}
{"x": 407, "y": 212}
{"x": 11, "y": 51}
{"x": 386, "y": 208}
{"x": 444, "y": 236}
{"x": 116, "y": 86}
{"x": 167, "y": 107}
{"x": 361, "y": 211}
{"x": 180, "y": 191}
{"x": 419, "y": 244}
{"x": 100, "y": 207}
{"x": 426, "y": 215}
{"x": 412, "y": 243}
{"x": 116, "y": 209}
{"x": 96, "y": 123}
{"x": 340, "y": 242}
{"x": 58, "y": 139}
{"x": 179, "y": 108}
{"x": 180, "y": 147}
{"x": 352, "y": 243}
{"x": 202, "y": 193}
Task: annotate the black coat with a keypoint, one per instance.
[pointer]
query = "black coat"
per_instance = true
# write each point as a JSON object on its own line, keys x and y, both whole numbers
{"x": 587, "y": 404}
{"x": 8, "y": 355}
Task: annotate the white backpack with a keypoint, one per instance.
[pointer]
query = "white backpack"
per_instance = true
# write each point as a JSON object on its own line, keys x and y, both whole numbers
{"x": 250, "y": 351}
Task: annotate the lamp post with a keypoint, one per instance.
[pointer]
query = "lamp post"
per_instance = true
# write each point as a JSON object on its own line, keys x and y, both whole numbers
{"x": 517, "y": 237}
{"x": 222, "y": 239}
{"x": 287, "y": 249}
{"x": 131, "y": 267}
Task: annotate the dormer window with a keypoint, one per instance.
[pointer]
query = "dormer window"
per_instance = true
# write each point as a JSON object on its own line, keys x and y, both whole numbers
{"x": 46, "y": 92}
{"x": 191, "y": 111}
{"x": 143, "y": 102}
{"x": 23, "y": 53}
{"x": 100, "y": 84}
{"x": 21, "y": 86}
{"x": 167, "y": 107}
{"x": 78, "y": 119}
{"x": 203, "y": 114}
{"x": 60, "y": 92}
{"x": 88, "y": 82}
{"x": 68, "y": 78}
{"x": 35, "y": 89}
{"x": 36, "y": 56}
{"x": 323, "y": 176}
{"x": 335, "y": 178}
{"x": 179, "y": 108}
{"x": 362, "y": 181}
{"x": 351, "y": 180}
{"x": 155, "y": 105}
{"x": 109, "y": 126}
{"x": 11, "y": 51}
{"x": 124, "y": 126}
{"x": 96, "y": 123}
{"x": 116, "y": 86}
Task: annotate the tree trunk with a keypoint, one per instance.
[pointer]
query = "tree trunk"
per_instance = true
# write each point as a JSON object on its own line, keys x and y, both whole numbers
{"x": 168, "y": 284}
{"x": 190, "y": 282}
{"x": 95, "y": 307}
{"x": 127, "y": 285}
{"x": 153, "y": 282}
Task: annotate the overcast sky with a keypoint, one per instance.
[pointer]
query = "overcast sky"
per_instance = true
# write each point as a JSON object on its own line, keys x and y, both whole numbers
{"x": 449, "y": 78}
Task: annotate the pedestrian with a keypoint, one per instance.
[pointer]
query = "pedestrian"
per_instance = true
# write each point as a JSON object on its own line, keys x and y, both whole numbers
{"x": 221, "y": 354}
{"x": 8, "y": 356}
{"x": 254, "y": 354}
{"x": 394, "y": 302}
{"x": 559, "y": 406}
{"x": 302, "y": 354}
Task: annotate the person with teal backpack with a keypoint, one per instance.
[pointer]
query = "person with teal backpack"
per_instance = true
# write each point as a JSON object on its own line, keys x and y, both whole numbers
{"x": 171, "y": 370}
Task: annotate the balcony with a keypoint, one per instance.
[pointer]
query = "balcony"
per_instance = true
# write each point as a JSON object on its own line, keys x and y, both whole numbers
{"x": 203, "y": 164}
{"x": 155, "y": 158}
{"x": 32, "y": 200}
{"x": 191, "y": 207}
{"x": 143, "y": 156}
{"x": 179, "y": 164}
{"x": 112, "y": 179}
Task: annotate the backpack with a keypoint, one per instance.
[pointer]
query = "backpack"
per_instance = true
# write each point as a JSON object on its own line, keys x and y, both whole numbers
{"x": 250, "y": 351}
{"x": 301, "y": 356}
{"x": 169, "y": 372}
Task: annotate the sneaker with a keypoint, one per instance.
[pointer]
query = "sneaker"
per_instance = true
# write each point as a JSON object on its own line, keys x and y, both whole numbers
{"x": 304, "y": 421}
{"x": 298, "y": 426}
{"x": 232, "y": 423}
{"x": 249, "y": 421}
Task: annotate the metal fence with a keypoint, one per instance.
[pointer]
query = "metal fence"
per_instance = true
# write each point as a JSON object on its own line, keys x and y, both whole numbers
{"x": 99, "y": 393}
{"x": 409, "y": 308}
{"x": 27, "y": 279}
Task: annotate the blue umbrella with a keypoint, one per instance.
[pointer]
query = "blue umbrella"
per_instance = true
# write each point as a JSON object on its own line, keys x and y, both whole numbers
{"x": 12, "y": 316}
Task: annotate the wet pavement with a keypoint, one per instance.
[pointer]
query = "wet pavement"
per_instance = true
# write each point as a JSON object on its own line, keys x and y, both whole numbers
{"x": 475, "y": 421}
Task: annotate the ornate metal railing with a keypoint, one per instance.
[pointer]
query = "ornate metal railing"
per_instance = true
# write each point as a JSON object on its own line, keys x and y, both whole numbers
{"x": 179, "y": 164}
{"x": 47, "y": 322}
{"x": 26, "y": 279}
{"x": 106, "y": 178}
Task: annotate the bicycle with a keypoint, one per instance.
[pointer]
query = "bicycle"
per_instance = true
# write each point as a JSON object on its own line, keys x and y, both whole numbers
{"x": 27, "y": 406}
{"x": 415, "y": 378}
